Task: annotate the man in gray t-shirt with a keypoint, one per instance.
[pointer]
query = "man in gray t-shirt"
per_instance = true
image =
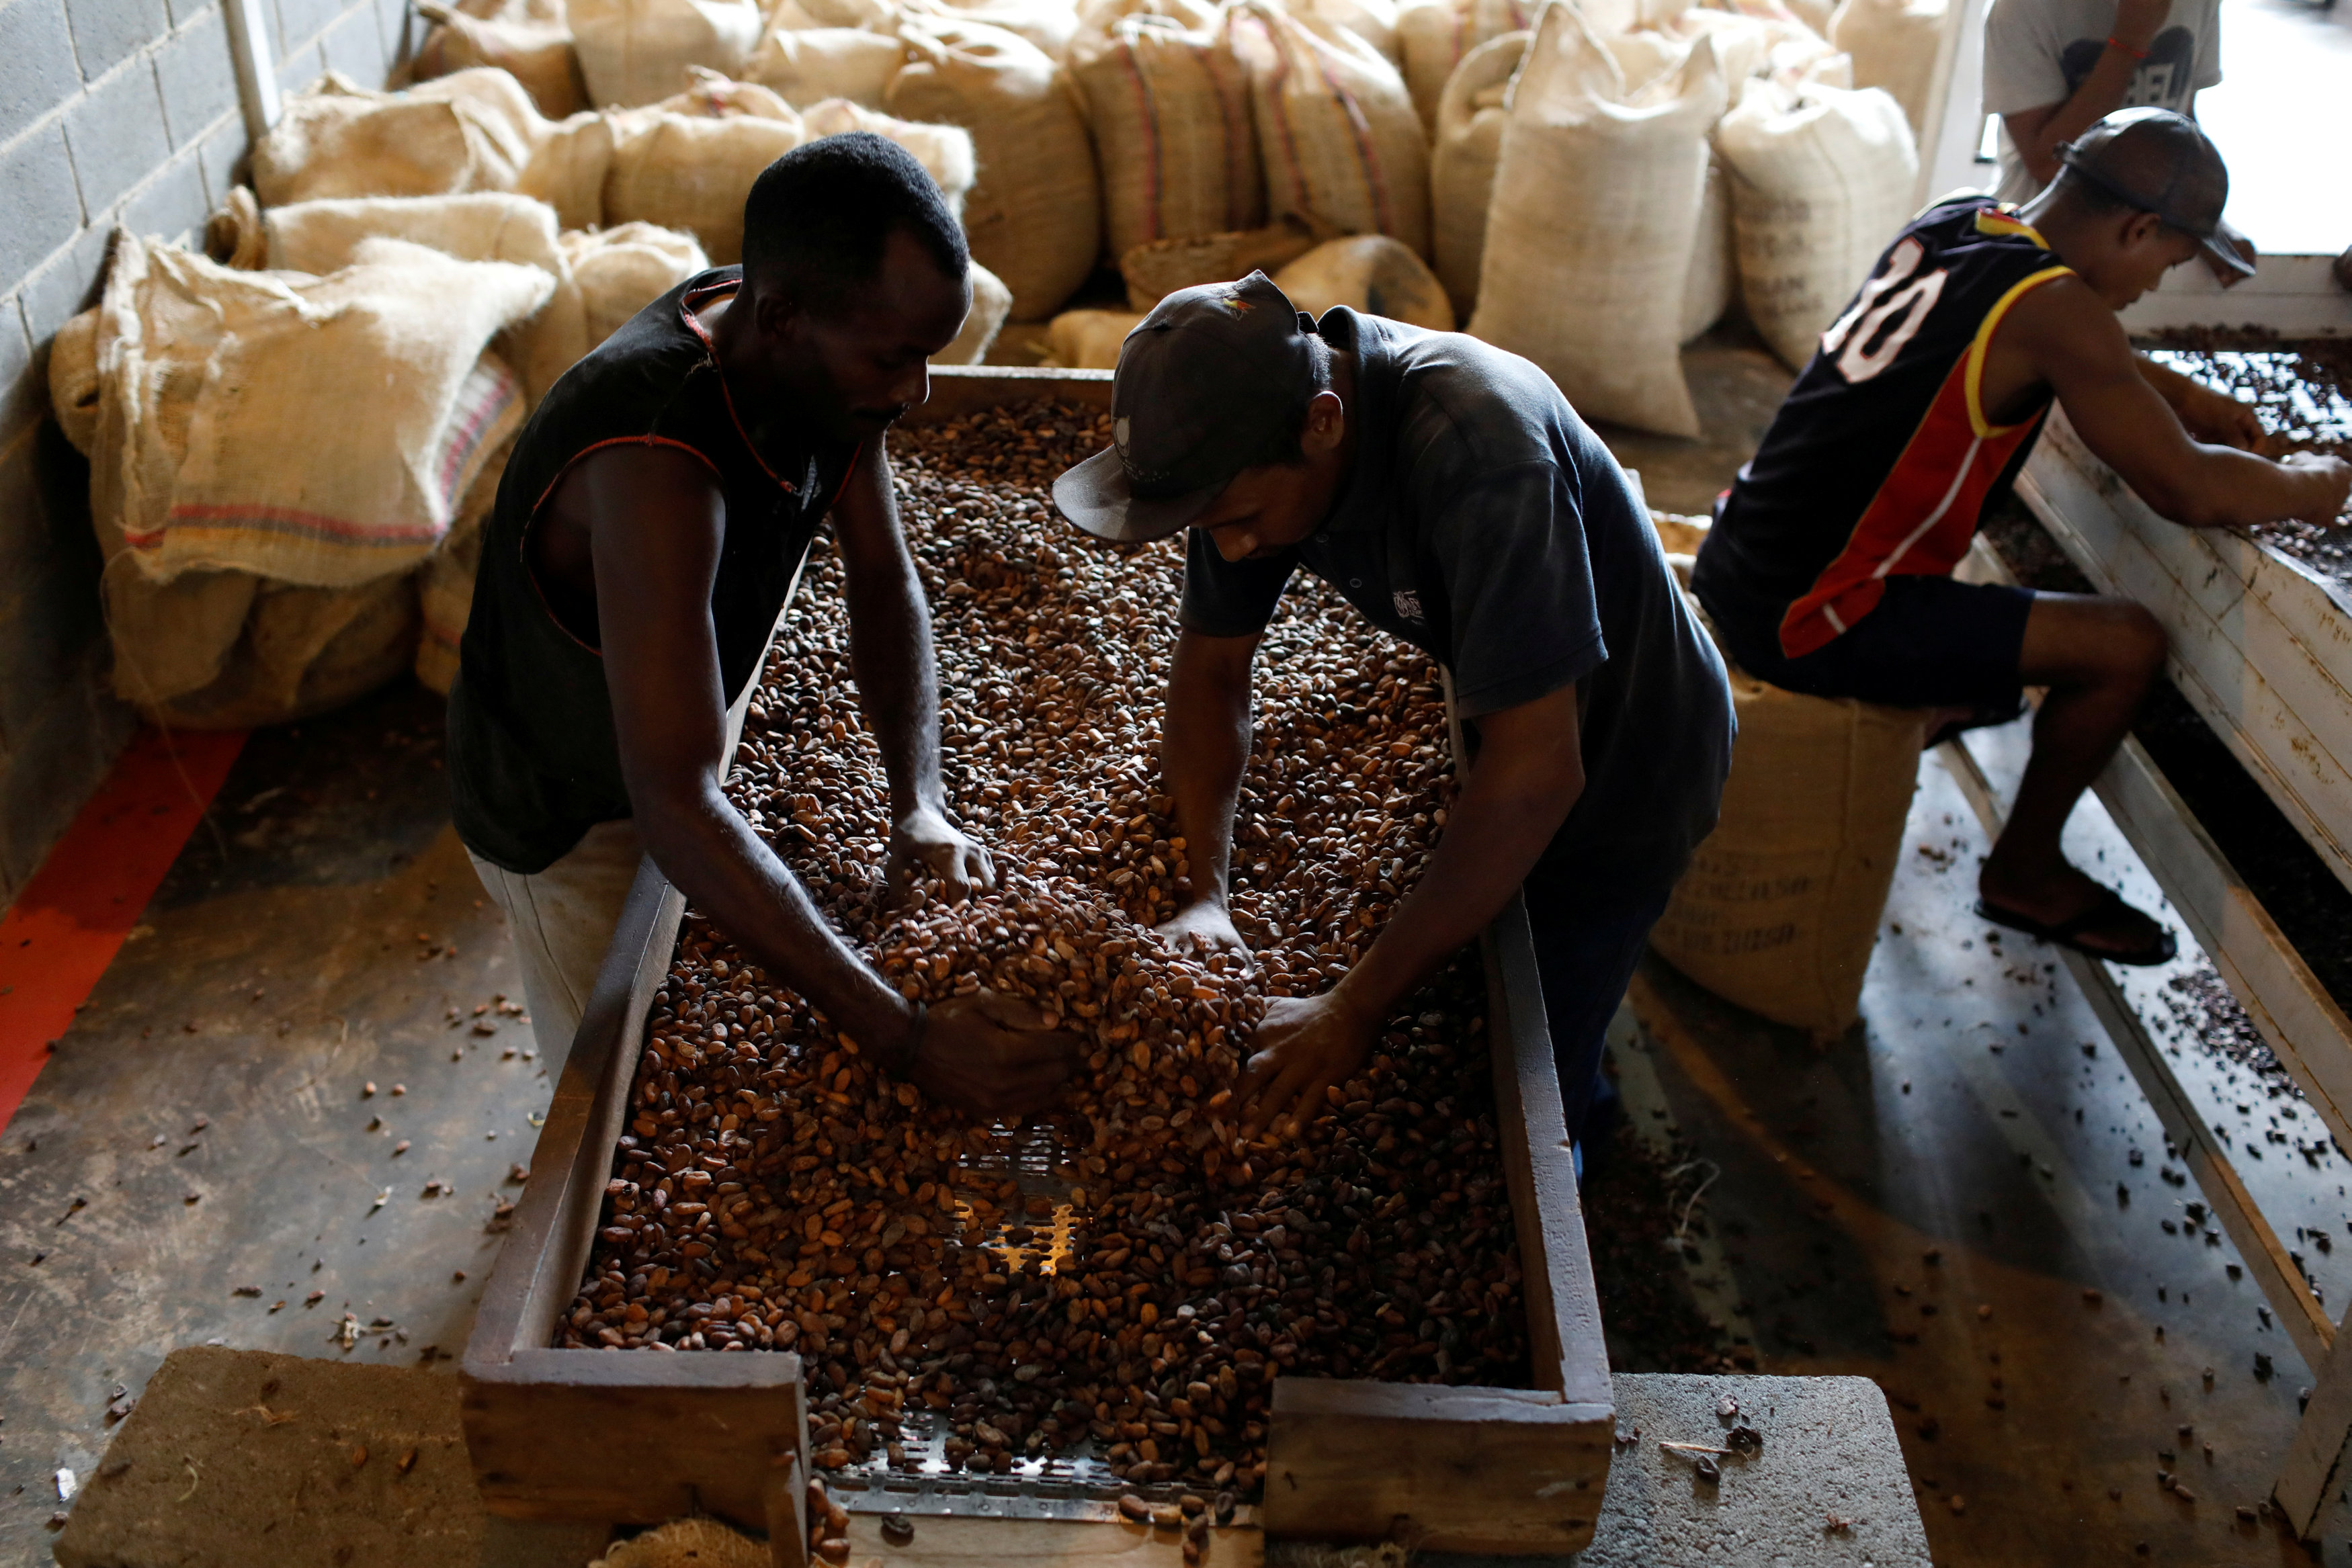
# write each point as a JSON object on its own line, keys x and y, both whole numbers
{"x": 2053, "y": 69}
{"x": 1448, "y": 491}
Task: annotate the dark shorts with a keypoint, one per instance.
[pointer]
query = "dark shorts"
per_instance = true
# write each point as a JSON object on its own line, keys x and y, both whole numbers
{"x": 1931, "y": 642}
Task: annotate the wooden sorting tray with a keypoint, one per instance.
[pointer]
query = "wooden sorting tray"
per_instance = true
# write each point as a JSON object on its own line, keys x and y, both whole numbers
{"x": 2262, "y": 645}
{"x": 641, "y": 1437}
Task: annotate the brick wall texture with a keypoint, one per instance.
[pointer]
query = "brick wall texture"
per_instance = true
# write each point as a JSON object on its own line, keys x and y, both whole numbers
{"x": 113, "y": 113}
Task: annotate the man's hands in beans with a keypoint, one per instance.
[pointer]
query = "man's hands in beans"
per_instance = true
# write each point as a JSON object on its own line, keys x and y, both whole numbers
{"x": 1205, "y": 926}
{"x": 2331, "y": 482}
{"x": 1305, "y": 1045}
{"x": 993, "y": 1055}
{"x": 923, "y": 843}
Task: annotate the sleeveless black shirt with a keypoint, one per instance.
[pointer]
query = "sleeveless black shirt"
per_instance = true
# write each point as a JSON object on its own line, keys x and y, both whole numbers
{"x": 533, "y": 759}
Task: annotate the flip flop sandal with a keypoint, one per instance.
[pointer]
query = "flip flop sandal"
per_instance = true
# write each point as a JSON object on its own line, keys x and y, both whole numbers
{"x": 2065, "y": 932}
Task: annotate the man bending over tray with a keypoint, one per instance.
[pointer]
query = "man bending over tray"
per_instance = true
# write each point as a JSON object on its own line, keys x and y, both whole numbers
{"x": 1449, "y": 492}
{"x": 1828, "y": 570}
{"x": 649, "y": 524}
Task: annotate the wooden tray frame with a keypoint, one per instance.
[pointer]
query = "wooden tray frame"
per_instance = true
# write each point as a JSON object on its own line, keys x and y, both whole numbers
{"x": 645, "y": 1436}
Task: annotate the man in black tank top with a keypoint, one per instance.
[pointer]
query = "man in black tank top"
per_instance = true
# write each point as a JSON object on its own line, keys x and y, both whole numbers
{"x": 1828, "y": 570}
{"x": 647, "y": 530}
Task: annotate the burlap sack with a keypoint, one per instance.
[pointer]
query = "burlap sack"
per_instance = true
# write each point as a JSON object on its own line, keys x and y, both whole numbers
{"x": 622, "y": 270}
{"x": 1156, "y": 270}
{"x": 1336, "y": 133}
{"x": 1434, "y": 36}
{"x": 1087, "y": 340}
{"x": 569, "y": 168}
{"x": 471, "y": 131}
{"x": 539, "y": 54}
{"x": 73, "y": 379}
{"x": 444, "y": 584}
{"x": 1170, "y": 111}
{"x": 320, "y": 237}
{"x": 1706, "y": 291}
{"x": 1470, "y": 120}
{"x": 690, "y": 174}
{"x": 1035, "y": 214}
{"x": 809, "y": 66}
{"x": 635, "y": 52}
{"x": 1894, "y": 45}
{"x": 1048, "y": 26}
{"x": 991, "y": 304}
{"x": 1595, "y": 217}
{"x": 799, "y": 16}
{"x": 1370, "y": 273}
{"x": 1820, "y": 181}
{"x": 1374, "y": 21}
{"x": 319, "y": 432}
{"x": 686, "y": 1543}
{"x": 1096, "y": 18}
{"x": 944, "y": 151}
{"x": 1781, "y": 906}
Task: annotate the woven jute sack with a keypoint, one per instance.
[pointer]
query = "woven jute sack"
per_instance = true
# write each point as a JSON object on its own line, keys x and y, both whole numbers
{"x": 622, "y": 269}
{"x": 1097, "y": 17}
{"x": 539, "y": 54}
{"x": 1894, "y": 45}
{"x": 1434, "y": 36}
{"x": 637, "y": 52}
{"x": 1170, "y": 111}
{"x": 320, "y": 237}
{"x": 808, "y": 65}
{"x": 1707, "y": 288}
{"x": 945, "y": 152}
{"x": 1470, "y": 120}
{"x": 1368, "y": 273}
{"x": 1595, "y": 211}
{"x": 568, "y": 169}
{"x": 685, "y": 172}
{"x": 1336, "y": 133}
{"x": 992, "y": 307}
{"x": 1087, "y": 340}
{"x": 445, "y": 583}
{"x": 1156, "y": 270}
{"x": 1050, "y": 26}
{"x": 470, "y": 131}
{"x": 686, "y": 1543}
{"x": 1035, "y": 213}
{"x": 318, "y": 432}
{"x": 1374, "y": 21}
{"x": 1820, "y": 179}
{"x": 1779, "y": 909}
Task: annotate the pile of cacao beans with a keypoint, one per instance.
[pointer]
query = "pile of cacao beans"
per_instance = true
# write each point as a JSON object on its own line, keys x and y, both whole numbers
{"x": 1120, "y": 1280}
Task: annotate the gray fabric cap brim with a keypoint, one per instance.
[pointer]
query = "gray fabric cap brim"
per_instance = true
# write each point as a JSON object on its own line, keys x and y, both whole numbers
{"x": 2218, "y": 247}
{"x": 1096, "y": 496}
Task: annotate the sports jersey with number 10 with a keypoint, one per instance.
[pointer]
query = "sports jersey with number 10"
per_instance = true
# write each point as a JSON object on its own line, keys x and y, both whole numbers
{"x": 1881, "y": 460}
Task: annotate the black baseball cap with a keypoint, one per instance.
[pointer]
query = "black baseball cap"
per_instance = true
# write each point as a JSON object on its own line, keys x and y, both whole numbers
{"x": 1201, "y": 381}
{"x": 2160, "y": 162}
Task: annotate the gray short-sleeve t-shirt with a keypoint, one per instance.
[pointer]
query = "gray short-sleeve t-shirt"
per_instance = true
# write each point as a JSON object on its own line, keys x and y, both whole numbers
{"x": 2037, "y": 52}
{"x": 1487, "y": 525}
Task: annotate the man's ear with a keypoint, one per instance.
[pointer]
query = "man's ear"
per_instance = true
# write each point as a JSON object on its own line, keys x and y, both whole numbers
{"x": 1326, "y": 423}
{"x": 776, "y": 314}
{"x": 2141, "y": 229}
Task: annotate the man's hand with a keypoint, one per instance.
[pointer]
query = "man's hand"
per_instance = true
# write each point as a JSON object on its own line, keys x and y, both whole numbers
{"x": 2226, "y": 276}
{"x": 1305, "y": 1045}
{"x": 2136, "y": 21}
{"x": 924, "y": 842}
{"x": 2330, "y": 481}
{"x": 2219, "y": 418}
{"x": 991, "y": 1054}
{"x": 1205, "y": 926}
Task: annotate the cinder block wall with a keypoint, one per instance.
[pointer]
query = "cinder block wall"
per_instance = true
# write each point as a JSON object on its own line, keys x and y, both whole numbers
{"x": 112, "y": 113}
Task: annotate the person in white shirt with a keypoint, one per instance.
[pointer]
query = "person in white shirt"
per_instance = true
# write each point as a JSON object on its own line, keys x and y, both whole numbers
{"x": 2053, "y": 69}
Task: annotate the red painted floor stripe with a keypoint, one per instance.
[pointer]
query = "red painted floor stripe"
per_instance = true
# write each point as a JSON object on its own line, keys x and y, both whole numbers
{"x": 67, "y": 925}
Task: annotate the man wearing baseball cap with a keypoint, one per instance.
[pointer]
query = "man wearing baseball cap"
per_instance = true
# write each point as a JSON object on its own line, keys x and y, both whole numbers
{"x": 1449, "y": 492}
{"x": 1828, "y": 570}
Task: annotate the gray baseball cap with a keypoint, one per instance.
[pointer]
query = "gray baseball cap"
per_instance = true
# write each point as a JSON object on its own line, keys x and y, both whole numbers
{"x": 1203, "y": 383}
{"x": 2160, "y": 162}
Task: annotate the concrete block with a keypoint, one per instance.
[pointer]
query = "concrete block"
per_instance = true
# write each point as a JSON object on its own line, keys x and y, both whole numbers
{"x": 116, "y": 133}
{"x": 108, "y": 32}
{"x": 305, "y": 21}
{"x": 173, "y": 204}
{"x": 399, "y": 25}
{"x": 45, "y": 626}
{"x": 355, "y": 47}
{"x": 186, "y": 11}
{"x": 36, "y": 62}
{"x": 66, "y": 285}
{"x": 302, "y": 68}
{"x": 37, "y": 193}
{"x": 24, "y": 375}
{"x": 222, "y": 153}
{"x": 284, "y": 1488}
{"x": 1828, "y": 1488}
{"x": 197, "y": 77}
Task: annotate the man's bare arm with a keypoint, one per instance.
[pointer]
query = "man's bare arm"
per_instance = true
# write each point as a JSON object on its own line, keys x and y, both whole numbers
{"x": 656, "y": 518}
{"x": 2036, "y": 132}
{"x": 2065, "y": 336}
{"x": 898, "y": 678}
{"x": 1204, "y": 747}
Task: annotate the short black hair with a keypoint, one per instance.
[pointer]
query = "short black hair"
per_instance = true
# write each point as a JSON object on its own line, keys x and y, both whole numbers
{"x": 818, "y": 217}
{"x": 1284, "y": 444}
